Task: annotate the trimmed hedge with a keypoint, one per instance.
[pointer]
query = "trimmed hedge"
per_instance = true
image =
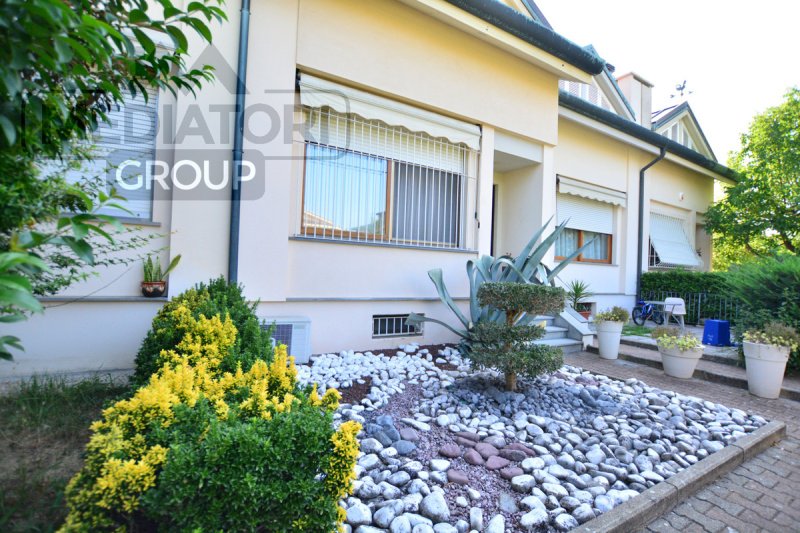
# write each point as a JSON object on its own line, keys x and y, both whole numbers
{"x": 199, "y": 448}
{"x": 218, "y": 297}
{"x": 683, "y": 281}
{"x": 770, "y": 290}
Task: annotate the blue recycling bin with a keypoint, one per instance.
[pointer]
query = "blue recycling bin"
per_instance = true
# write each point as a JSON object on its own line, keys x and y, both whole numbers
{"x": 717, "y": 333}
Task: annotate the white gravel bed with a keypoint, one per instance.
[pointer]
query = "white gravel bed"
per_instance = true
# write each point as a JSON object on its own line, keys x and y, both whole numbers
{"x": 567, "y": 447}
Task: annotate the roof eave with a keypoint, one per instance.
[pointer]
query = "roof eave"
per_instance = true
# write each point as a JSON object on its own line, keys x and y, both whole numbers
{"x": 640, "y": 132}
{"x": 532, "y": 32}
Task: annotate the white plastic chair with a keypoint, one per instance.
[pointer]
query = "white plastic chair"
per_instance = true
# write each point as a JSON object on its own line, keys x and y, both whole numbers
{"x": 675, "y": 308}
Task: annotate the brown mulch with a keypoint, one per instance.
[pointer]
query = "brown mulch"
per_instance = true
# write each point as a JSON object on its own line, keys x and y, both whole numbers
{"x": 357, "y": 392}
{"x": 487, "y": 482}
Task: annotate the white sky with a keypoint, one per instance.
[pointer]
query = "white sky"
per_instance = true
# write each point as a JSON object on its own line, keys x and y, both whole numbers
{"x": 739, "y": 57}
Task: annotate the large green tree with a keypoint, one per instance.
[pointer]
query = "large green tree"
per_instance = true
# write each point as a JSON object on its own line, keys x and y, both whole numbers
{"x": 760, "y": 215}
{"x": 63, "y": 65}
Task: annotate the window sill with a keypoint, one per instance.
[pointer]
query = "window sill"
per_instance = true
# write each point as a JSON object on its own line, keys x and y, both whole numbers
{"x": 95, "y": 299}
{"x": 131, "y": 221}
{"x": 587, "y": 263}
{"x": 383, "y": 245}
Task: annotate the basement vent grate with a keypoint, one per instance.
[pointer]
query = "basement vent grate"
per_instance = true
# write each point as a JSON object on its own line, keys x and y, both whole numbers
{"x": 393, "y": 326}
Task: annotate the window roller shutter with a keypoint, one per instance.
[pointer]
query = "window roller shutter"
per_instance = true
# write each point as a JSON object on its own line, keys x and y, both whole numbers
{"x": 129, "y": 136}
{"x": 585, "y": 214}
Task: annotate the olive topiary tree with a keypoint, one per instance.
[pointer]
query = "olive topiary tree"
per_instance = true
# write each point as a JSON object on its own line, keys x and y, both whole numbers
{"x": 508, "y": 345}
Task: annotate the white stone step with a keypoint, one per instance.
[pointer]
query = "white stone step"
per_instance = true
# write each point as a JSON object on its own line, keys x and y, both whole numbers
{"x": 567, "y": 345}
{"x": 554, "y": 332}
{"x": 548, "y": 320}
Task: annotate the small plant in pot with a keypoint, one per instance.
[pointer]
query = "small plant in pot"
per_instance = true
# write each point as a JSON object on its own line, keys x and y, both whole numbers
{"x": 766, "y": 352}
{"x": 609, "y": 331}
{"x": 155, "y": 278}
{"x": 679, "y": 351}
{"x": 577, "y": 293}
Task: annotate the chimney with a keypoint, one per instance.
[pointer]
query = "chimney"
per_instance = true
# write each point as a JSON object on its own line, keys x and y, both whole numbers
{"x": 639, "y": 93}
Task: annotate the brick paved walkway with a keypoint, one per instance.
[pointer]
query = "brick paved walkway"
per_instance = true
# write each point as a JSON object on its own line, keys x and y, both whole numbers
{"x": 762, "y": 494}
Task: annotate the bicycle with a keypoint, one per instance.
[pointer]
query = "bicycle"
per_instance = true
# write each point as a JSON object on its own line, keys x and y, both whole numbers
{"x": 643, "y": 312}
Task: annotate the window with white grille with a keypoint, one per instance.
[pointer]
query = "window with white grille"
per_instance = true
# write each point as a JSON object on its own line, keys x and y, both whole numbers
{"x": 123, "y": 152}
{"x": 585, "y": 91}
{"x": 394, "y": 326}
{"x": 365, "y": 181}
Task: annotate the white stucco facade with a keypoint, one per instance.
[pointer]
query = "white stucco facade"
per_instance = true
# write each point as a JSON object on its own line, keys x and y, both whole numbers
{"x": 423, "y": 53}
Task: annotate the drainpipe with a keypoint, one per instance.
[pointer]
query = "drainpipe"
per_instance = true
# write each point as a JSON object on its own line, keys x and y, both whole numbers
{"x": 640, "y": 247}
{"x": 238, "y": 134}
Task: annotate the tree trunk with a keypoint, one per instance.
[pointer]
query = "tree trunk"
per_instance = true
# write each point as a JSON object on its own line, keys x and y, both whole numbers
{"x": 511, "y": 381}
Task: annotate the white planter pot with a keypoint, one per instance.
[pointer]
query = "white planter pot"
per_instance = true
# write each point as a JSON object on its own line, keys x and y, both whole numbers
{"x": 766, "y": 364}
{"x": 680, "y": 363}
{"x": 608, "y": 335}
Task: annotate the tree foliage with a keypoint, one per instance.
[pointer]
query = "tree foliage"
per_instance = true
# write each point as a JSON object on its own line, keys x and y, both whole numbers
{"x": 760, "y": 215}
{"x": 63, "y": 65}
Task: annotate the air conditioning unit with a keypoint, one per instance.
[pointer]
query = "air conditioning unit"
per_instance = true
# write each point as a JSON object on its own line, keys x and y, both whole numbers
{"x": 294, "y": 332}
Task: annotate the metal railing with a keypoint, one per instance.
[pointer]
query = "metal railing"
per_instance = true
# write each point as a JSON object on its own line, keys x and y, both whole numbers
{"x": 364, "y": 181}
{"x": 701, "y": 305}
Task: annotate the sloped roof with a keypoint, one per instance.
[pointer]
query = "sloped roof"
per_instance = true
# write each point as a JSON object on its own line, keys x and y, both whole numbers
{"x": 533, "y": 32}
{"x": 669, "y": 115}
{"x": 609, "y": 75}
{"x": 536, "y": 13}
{"x": 613, "y": 120}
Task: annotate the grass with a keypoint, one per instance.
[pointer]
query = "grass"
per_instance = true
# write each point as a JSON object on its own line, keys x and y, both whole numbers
{"x": 44, "y": 426}
{"x": 635, "y": 329}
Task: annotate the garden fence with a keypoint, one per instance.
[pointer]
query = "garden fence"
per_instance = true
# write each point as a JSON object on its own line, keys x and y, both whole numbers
{"x": 701, "y": 305}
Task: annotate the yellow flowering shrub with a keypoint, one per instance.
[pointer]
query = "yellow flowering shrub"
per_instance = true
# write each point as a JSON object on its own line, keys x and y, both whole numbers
{"x": 189, "y": 415}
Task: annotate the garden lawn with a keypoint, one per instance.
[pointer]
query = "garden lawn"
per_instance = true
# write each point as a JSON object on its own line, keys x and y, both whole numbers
{"x": 635, "y": 329}
{"x": 44, "y": 426}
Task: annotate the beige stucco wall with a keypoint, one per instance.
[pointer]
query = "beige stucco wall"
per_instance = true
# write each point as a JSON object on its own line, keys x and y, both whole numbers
{"x": 589, "y": 155}
{"x": 391, "y": 49}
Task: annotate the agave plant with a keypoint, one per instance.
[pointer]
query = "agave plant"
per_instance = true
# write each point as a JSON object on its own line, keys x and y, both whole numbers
{"x": 526, "y": 267}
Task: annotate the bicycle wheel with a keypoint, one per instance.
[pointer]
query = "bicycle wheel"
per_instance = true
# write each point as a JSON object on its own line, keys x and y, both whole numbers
{"x": 637, "y": 316}
{"x": 658, "y": 317}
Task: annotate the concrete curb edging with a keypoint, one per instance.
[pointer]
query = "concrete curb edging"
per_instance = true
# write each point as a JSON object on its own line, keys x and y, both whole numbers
{"x": 699, "y": 373}
{"x": 637, "y": 512}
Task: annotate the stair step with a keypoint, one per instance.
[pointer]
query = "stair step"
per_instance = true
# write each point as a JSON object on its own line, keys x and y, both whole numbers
{"x": 554, "y": 332}
{"x": 567, "y": 345}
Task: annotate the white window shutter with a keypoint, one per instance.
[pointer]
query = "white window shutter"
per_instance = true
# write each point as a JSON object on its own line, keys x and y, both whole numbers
{"x": 668, "y": 237}
{"x": 584, "y": 214}
{"x": 129, "y": 136}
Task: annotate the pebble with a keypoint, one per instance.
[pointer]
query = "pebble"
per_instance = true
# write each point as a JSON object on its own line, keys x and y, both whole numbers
{"x": 574, "y": 444}
{"x": 496, "y": 525}
{"x": 435, "y": 507}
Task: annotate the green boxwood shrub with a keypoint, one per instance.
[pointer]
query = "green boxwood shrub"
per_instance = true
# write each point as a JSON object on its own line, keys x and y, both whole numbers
{"x": 199, "y": 449}
{"x": 248, "y": 475}
{"x": 218, "y": 297}
{"x": 508, "y": 346}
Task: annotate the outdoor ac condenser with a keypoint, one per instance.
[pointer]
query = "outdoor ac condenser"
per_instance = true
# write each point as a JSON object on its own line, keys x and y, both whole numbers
{"x": 294, "y": 332}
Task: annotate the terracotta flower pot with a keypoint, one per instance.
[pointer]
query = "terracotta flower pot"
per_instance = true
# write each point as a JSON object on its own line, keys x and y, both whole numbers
{"x": 765, "y": 364}
{"x": 154, "y": 289}
{"x": 608, "y": 336}
{"x": 680, "y": 363}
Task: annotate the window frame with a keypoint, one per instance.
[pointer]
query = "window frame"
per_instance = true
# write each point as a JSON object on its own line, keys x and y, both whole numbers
{"x": 460, "y": 220}
{"x": 581, "y": 259}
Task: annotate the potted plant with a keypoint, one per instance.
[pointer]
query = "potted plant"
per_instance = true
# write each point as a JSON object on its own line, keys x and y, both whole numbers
{"x": 609, "y": 330}
{"x": 679, "y": 351}
{"x": 155, "y": 284}
{"x": 766, "y": 352}
{"x": 577, "y": 292}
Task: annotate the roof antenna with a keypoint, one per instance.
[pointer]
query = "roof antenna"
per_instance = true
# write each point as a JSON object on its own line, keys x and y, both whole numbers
{"x": 681, "y": 88}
